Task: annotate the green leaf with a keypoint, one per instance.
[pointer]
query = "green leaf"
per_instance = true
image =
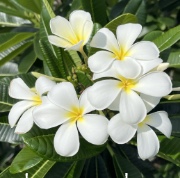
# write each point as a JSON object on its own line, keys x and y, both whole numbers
{"x": 8, "y": 40}
{"x": 12, "y": 52}
{"x": 7, "y": 133}
{"x": 168, "y": 38}
{"x": 8, "y": 69}
{"x": 41, "y": 141}
{"x": 152, "y": 35}
{"x": 12, "y": 21}
{"x": 97, "y": 9}
{"x": 175, "y": 126}
{"x": 40, "y": 170}
{"x": 84, "y": 79}
{"x": 169, "y": 150}
{"x": 27, "y": 60}
{"x": 25, "y": 160}
{"x": 174, "y": 59}
{"x": 122, "y": 19}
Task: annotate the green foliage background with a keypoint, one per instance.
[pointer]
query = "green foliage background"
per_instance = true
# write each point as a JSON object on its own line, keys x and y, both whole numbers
{"x": 26, "y": 52}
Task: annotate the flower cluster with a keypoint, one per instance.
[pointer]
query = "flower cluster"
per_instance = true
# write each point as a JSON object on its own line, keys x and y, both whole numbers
{"x": 128, "y": 82}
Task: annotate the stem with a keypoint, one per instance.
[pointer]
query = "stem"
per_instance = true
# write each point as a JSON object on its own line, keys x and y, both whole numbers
{"x": 84, "y": 55}
{"x": 110, "y": 150}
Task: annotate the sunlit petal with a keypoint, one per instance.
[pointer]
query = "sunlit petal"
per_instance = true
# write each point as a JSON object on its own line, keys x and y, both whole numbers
{"x": 93, "y": 128}
{"x": 119, "y": 131}
{"x": 75, "y": 47}
{"x": 103, "y": 93}
{"x": 66, "y": 140}
{"x": 160, "y": 121}
{"x": 147, "y": 142}
{"x": 132, "y": 107}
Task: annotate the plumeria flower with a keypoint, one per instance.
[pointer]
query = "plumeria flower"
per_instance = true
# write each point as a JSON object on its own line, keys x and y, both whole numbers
{"x": 72, "y": 114}
{"x": 72, "y": 34}
{"x": 147, "y": 141}
{"x": 127, "y": 57}
{"x": 131, "y": 97}
{"x": 21, "y": 112}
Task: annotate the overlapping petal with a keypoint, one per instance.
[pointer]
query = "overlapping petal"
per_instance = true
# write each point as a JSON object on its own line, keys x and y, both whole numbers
{"x": 119, "y": 131}
{"x": 93, "y": 128}
{"x": 127, "y": 34}
{"x": 66, "y": 140}
{"x": 160, "y": 121}
{"x": 103, "y": 93}
{"x": 156, "y": 84}
{"x": 19, "y": 90}
{"x": 25, "y": 123}
{"x": 100, "y": 61}
{"x": 147, "y": 142}
{"x": 132, "y": 108}
{"x": 64, "y": 95}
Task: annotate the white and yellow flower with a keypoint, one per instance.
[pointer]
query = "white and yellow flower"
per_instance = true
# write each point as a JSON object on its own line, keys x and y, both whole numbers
{"x": 72, "y": 34}
{"x": 65, "y": 108}
{"x": 21, "y": 112}
{"x": 128, "y": 58}
{"x": 131, "y": 97}
{"x": 147, "y": 141}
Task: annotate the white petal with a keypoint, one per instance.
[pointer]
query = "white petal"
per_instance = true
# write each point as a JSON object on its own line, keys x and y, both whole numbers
{"x": 62, "y": 28}
{"x": 66, "y": 140}
{"x": 49, "y": 115}
{"x": 25, "y": 122}
{"x": 44, "y": 85}
{"x": 64, "y": 95}
{"x": 17, "y": 110}
{"x": 19, "y": 90}
{"x": 147, "y": 142}
{"x": 115, "y": 104}
{"x": 127, "y": 34}
{"x": 84, "y": 102}
{"x": 149, "y": 65}
{"x": 156, "y": 84}
{"x": 144, "y": 50}
{"x": 111, "y": 72}
{"x": 132, "y": 107}
{"x": 100, "y": 61}
{"x": 150, "y": 101}
{"x": 128, "y": 68}
{"x": 58, "y": 41}
{"x": 94, "y": 128}
{"x": 160, "y": 121}
{"x": 119, "y": 131}
{"x": 81, "y": 23}
{"x": 105, "y": 39}
{"x": 103, "y": 93}
{"x": 76, "y": 47}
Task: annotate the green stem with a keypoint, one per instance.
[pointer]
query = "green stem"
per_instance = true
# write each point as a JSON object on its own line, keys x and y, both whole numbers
{"x": 84, "y": 55}
{"x": 110, "y": 150}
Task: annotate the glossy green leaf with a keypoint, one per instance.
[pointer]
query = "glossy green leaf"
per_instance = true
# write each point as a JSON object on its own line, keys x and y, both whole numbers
{"x": 8, "y": 40}
{"x": 41, "y": 141}
{"x": 169, "y": 150}
{"x": 174, "y": 59}
{"x": 122, "y": 19}
{"x": 25, "y": 160}
{"x": 84, "y": 79}
{"x": 167, "y": 39}
{"x": 8, "y": 69}
{"x": 75, "y": 58}
{"x": 7, "y": 133}
{"x": 152, "y": 35}
{"x": 38, "y": 171}
{"x": 97, "y": 9}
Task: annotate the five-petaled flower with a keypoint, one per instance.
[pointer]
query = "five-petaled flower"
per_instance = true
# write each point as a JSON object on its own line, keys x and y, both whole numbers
{"x": 131, "y": 97}
{"x": 23, "y": 110}
{"x": 147, "y": 141}
{"x": 65, "y": 108}
{"x": 72, "y": 34}
{"x": 128, "y": 58}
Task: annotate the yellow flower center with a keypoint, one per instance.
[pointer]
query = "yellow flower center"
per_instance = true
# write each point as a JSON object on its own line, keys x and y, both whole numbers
{"x": 76, "y": 114}
{"x": 121, "y": 54}
{"x": 141, "y": 124}
{"x": 37, "y": 100}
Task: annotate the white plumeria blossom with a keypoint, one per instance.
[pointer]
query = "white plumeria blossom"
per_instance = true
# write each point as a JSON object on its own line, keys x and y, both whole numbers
{"x": 71, "y": 113}
{"x": 147, "y": 141}
{"x": 72, "y": 34}
{"x": 133, "y": 98}
{"x": 21, "y": 112}
{"x": 128, "y": 58}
